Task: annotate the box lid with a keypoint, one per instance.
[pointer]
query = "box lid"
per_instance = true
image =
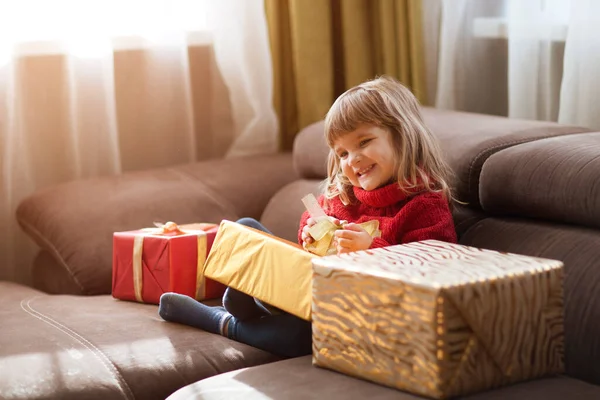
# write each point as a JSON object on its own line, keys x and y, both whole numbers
{"x": 437, "y": 264}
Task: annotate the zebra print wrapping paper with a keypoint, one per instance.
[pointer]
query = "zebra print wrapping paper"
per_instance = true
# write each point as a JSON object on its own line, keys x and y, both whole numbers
{"x": 438, "y": 319}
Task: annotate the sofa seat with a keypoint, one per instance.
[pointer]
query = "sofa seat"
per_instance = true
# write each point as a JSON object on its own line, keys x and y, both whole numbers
{"x": 298, "y": 379}
{"x": 97, "y": 347}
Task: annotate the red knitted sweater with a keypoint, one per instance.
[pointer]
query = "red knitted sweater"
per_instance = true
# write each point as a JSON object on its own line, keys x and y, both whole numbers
{"x": 402, "y": 218}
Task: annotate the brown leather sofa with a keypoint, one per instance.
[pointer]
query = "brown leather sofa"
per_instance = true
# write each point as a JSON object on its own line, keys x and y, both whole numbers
{"x": 531, "y": 187}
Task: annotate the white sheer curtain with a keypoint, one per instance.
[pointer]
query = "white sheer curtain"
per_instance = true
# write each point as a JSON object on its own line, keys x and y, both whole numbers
{"x": 471, "y": 68}
{"x": 536, "y": 35}
{"x": 90, "y": 88}
{"x": 580, "y": 91}
{"x": 533, "y": 59}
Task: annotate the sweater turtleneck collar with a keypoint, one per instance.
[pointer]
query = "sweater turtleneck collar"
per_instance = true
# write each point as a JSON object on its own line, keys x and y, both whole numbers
{"x": 380, "y": 197}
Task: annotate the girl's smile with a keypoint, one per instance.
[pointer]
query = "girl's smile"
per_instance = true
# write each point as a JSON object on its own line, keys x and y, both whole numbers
{"x": 367, "y": 156}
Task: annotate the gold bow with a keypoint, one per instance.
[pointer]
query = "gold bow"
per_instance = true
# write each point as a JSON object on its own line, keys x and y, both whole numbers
{"x": 323, "y": 231}
{"x": 168, "y": 228}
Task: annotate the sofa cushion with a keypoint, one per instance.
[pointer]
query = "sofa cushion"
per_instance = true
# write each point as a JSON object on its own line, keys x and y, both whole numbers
{"x": 298, "y": 379}
{"x": 555, "y": 179}
{"x": 465, "y": 217}
{"x": 310, "y": 152}
{"x": 49, "y": 275}
{"x": 96, "y": 347}
{"x": 282, "y": 214}
{"x": 74, "y": 222}
{"x": 467, "y": 140}
{"x": 579, "y": 249}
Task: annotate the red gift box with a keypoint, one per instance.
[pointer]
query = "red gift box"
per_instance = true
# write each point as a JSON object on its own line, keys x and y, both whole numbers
{"x": 149, "y": 262}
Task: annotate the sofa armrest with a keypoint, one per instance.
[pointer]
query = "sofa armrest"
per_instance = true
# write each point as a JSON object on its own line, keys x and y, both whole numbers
{"x": 74, "y": 222}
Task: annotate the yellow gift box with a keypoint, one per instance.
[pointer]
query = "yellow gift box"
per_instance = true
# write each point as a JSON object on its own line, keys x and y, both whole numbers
{"x": 273, "y": 270}
{"x": 438, "y": 319}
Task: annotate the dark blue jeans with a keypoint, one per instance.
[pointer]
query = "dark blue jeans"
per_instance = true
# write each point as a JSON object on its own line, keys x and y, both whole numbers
{"x": 279, "y": 333}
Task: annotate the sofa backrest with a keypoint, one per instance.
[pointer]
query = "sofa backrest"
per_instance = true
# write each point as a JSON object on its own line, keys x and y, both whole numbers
{"x": 555, "y": 179}
{"x": 73, "y": 223}
{"x": 467, "y": 141}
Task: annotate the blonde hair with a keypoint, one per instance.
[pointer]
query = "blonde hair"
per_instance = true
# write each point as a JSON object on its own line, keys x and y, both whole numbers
{"x": 387, "y": 104}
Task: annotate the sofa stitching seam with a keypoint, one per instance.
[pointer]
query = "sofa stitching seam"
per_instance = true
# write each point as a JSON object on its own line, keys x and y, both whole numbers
{"x": 50, "y": 247}
{"x": 99, "y": 354}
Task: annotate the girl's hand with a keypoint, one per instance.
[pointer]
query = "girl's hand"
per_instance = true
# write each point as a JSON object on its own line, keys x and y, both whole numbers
{"x": 352, "y": 237}
{"x": 306, "y": 238}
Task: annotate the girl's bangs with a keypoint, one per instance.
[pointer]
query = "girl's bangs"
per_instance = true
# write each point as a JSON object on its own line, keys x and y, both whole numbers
{"x": 347, "y": 113}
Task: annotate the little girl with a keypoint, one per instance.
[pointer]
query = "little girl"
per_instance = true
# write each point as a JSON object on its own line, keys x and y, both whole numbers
{"x": 383, "y": 165}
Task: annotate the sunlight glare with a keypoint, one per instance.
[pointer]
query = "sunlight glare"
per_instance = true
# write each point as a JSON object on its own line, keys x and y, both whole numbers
{"x": 87, "y": 27}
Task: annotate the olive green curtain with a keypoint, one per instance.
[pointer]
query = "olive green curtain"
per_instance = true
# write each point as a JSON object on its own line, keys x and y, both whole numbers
{"x": 320, "y": 48}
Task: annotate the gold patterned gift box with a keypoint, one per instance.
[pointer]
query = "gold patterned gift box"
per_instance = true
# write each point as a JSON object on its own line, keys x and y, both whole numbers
{"x": 438, "y": 319}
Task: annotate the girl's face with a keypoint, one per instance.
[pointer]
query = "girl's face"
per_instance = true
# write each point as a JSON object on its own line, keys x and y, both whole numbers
{"x": 367, "y": 156}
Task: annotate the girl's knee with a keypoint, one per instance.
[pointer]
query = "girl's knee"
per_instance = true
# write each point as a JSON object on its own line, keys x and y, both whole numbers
{"x": 241, "y": 305}
{"x": 232, "y": 295}
{"x": 251, "y": 222}
{"x": 229, "y": 299}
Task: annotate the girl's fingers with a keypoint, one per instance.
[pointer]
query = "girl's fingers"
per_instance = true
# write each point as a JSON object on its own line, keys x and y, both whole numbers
{"x": 339, "y": 222}
{"x": 344, "y": 233}
{"x": 306, "y": 237}
{"x": 342, "y": 250}
{"x": 343, "y": 243}
{"x": 310, "y": 222}
{"x": 354, "y": 227}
